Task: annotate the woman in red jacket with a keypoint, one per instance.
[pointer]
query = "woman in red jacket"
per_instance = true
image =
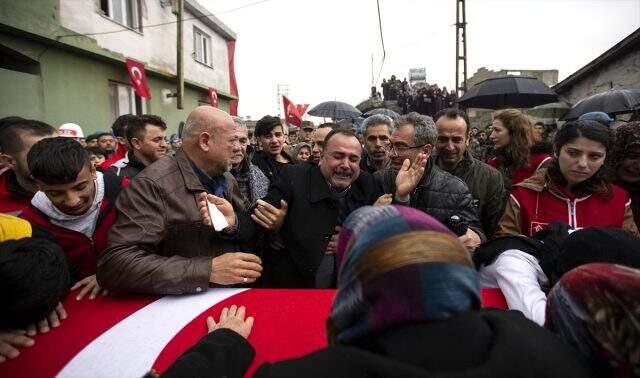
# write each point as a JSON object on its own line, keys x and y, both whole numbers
{"x": 573, "y": 189}
{"x": 512, "y": 136}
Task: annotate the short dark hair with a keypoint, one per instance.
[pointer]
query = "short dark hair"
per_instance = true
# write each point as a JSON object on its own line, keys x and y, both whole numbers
{"x": 345, "y": 132}
{"x": 35, "y": 275}
{"x": 266, "y": 124}
{"x": 57, "y": 160}
{"x": 12, "y": 131}
{"x": 453, "y": 113}
{"x": 136, "y": 128}
{"x": 95, "y": 150}
{"x": 119, "y": 126}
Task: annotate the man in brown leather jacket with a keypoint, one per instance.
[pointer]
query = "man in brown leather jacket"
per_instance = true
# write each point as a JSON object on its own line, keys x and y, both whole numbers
{"x": 158, "y": 244}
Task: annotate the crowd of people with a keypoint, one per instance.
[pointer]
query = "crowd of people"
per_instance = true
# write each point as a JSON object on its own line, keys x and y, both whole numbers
{"x": 409, "y": 221}
{"x": 423, "y": 98}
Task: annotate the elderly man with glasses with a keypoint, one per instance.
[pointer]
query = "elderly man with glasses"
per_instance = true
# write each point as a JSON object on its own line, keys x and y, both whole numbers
{"x": 412, "y": 179}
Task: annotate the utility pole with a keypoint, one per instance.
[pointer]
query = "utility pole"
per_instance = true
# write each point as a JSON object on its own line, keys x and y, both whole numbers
{"x": 461, "y": 41}
{"x": 179, "y": 11}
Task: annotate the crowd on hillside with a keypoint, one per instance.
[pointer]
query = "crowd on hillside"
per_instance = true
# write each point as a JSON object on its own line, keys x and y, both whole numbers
{"x": 408, "y": 220}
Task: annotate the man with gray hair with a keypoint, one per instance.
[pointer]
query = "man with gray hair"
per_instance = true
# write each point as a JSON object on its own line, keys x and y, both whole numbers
{"x": 252, "y": 182}
{"x": 412, "y": 179}
{"x": 159, "y": 244}
{"x": 377, "y": 139}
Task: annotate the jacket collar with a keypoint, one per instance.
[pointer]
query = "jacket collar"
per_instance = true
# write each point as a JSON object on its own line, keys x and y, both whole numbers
{"x": 191, "y": 180}
{"x": 319, "y": 188}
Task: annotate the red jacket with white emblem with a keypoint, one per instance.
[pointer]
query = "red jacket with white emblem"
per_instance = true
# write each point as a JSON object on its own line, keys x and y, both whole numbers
{"x": 536, "y": 203}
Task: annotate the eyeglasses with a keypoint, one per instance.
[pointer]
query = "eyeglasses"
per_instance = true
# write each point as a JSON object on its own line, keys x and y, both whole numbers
{"x": 401, "y": 148}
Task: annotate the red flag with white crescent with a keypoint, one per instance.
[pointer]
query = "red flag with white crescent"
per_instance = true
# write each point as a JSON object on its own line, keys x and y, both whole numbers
{"x": 291, "y": 112}
{"x": 302, "y": 108}
{"x": 138, "y": 78}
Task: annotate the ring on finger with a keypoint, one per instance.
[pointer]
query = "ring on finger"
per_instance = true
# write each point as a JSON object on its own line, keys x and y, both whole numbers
{"x": 244, "y": 280}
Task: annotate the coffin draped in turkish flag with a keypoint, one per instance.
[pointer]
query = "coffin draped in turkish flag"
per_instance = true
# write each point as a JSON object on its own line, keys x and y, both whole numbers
{"x": 138, "y": 78}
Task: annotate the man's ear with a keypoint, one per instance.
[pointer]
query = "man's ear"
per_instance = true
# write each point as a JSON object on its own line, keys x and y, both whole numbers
{"x": 7, "y": 160}
{"x": 92, "y": 169}
{"x": 427, "y": 149}
{"x": 136, "y": 143}
{"x": 203, "y": 141}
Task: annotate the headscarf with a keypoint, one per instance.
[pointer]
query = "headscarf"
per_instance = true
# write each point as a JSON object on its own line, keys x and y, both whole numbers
{"x": 398, "y": 265}
{"x": 596, "y": 308}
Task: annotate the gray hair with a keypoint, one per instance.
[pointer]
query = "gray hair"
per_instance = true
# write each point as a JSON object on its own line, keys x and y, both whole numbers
{"x": 425, "y": 131}
{"x": 375, "y": 120}
{"x": 239, "y": 122}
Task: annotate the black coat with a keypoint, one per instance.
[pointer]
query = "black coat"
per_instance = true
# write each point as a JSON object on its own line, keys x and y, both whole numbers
{"x": 487, "y": 343}
{"x": 310, "y": 222}
{"x": 271, "y": 168}
{"x": 438, "y": 194}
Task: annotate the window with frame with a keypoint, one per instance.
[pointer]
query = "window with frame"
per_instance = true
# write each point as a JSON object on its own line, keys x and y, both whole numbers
{"x": 201, "y": 47}
{"x": 125, "y": 12}
{"x": 122, "y": 100}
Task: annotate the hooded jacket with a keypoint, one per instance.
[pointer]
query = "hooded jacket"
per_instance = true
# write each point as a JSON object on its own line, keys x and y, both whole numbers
{"x": 536, "y": 202}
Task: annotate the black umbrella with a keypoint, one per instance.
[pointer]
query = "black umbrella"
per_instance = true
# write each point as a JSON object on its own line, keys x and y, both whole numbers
{"x": 613, "y": 101}
{"x": 385, "y": 111}
{"x": 508, "y": 91}
{"x": 335, "y": 110}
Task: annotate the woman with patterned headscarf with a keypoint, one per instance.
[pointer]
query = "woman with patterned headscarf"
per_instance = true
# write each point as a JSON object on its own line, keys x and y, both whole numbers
{"x": 408, "y": 305}
{"x": 626, "y": 163}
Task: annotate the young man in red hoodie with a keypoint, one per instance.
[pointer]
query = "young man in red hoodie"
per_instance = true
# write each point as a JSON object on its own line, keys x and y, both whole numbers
{"x": 75, "y": 203}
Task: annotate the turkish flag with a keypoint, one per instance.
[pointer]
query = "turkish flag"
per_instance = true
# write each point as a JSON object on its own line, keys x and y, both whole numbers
{"x": 138, "y": 78}
{"x": 291, "y": 113}
{"x": 213, "y": 97}
{"x": 302, "y": 108}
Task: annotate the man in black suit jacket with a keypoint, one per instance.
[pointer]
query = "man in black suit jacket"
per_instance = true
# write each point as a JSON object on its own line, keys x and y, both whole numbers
{"x": 319, "y": 198}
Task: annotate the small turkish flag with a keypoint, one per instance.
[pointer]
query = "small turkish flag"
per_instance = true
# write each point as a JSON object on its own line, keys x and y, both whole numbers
{"x": 213, "y": 97}
{"x": 291, "y": 112}
{"x": 138, "y": 78}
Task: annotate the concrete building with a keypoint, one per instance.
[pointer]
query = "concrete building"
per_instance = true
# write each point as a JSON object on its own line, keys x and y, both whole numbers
{"x": 64, "y": 60}
{"x": 616, "y": 68}
{"x": 482, "y": 117}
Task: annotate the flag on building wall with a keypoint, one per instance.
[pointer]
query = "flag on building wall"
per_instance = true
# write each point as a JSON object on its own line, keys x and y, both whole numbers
{"x": 213, "y": 97}
{"x": 291, "y": 113}
{"x": 138, "y": 78}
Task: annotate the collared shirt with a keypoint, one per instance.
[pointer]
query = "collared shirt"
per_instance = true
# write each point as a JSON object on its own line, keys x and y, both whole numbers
{"x": 214, "y": 185}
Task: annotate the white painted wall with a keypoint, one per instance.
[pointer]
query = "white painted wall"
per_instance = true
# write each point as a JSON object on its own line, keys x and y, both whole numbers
{"x": 155, "y": 46}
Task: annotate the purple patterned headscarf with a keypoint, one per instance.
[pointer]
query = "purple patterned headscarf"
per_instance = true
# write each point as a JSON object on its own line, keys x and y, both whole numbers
{"x": 398, "y": 265}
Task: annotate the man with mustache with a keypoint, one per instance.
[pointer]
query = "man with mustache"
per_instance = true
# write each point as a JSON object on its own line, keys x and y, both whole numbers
{"x": 377, "y": 134}
{"x": 253, "y": 184}
{"x": 415, "y": 180}
{"x": 319, "y": 198}
{"x": 317, "y": 141}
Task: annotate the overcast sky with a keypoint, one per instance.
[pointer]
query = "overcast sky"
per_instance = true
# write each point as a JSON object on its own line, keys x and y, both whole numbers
{"x": 322, "y": 49}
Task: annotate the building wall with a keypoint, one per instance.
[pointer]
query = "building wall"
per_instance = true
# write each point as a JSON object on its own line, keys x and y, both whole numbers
{"x": 155, "y": 46}
{"x": 620, "y": 74}
{"x": 74, "y": 88}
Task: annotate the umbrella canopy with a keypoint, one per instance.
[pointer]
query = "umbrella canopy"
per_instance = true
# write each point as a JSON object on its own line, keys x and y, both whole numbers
{"x": 387, "y": 112}
{"x": 335, "y": 110}
{"x": 552, "y": 110}
{"x": 508, "y": 91}
{"x": 613, "y": 101}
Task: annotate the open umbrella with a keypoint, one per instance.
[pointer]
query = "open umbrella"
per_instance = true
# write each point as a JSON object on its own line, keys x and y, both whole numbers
{"x": 613, "y": 101}
{"x": 335, "y": 110}
{"x": 508, "y": 91}
{"x": 553, "y": 110}
{"x": 385, "y": 111}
